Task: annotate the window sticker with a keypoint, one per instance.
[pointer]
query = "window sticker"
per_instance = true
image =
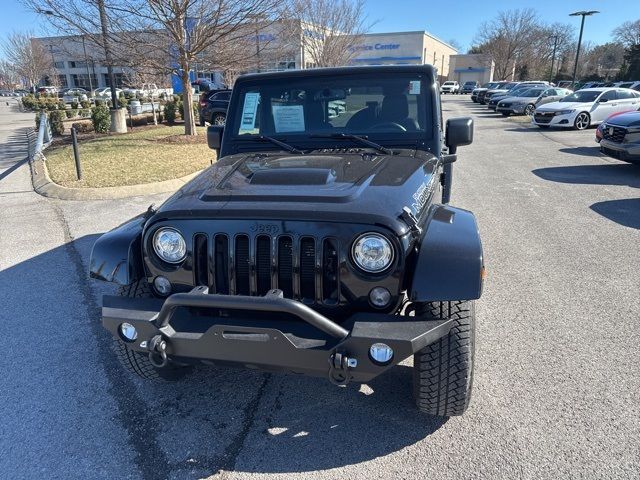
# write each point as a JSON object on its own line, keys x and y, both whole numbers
{"x": 248, "y": 123}
{"x": 288, "y": 118}
{"x": 414, "y": 87}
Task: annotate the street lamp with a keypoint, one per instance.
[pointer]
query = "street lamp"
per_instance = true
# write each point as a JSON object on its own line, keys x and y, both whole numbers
{"x": 553, "y": 56}
{"x": 584, "y": 13}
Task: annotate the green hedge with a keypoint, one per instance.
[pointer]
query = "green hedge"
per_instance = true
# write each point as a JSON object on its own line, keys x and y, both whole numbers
{"x": 101, "y": 119}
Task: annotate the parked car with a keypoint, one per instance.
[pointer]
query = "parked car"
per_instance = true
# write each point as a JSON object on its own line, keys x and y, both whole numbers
{"x": 492, "y": 104}
{"x": 310, "y": 247}
{"x": 600, "y": 128}
{"x": 450, "y": 86}
{"x": 104, "y": 93}
{"x": 6, "y": 93}
{"x": 475, "y": 94}
{"x": 469, "y": 86}
{"x": 525, "y": 102}
{"x": 501, "y": 87}
{"x": 213, "y": 108}
{"x": 621, "y": 136}
{"x": 48, "y": 90}
{"x": 565, "y": 84}
{"x": 70, "y": 95}
{"x": 586, "y": 107}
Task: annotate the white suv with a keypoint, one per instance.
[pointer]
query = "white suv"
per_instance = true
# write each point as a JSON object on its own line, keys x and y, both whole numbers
{"x": 450, "y": 86}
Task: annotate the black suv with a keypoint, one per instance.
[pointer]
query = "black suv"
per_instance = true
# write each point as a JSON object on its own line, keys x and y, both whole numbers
{"x": 321, "y": 242}
{"x": 213, "y": 107}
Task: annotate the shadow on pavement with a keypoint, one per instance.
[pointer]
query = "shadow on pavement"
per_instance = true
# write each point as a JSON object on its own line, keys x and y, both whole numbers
{"x": 215, "y": 419}
{"x": 583, "y": 151}
{"x": 13, "y": 149}
{"x": 606, "y": 174}
{"x": 625, "y": 212}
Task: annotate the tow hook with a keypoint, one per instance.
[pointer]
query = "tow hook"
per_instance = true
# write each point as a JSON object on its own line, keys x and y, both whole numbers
{"x": 339, "y": 366}
{"x": 157, "y": 350}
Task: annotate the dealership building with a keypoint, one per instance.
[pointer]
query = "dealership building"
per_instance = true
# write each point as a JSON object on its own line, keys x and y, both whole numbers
{"x": 78, "y": 63}
{"x": 404, "y": 48}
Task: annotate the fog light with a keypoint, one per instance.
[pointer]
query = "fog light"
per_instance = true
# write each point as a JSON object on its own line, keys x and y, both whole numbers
{"x": 381, "y": 353}
{"x": 162, "y": 285}
{"x": 380, "y": 297}
{"x": 128, "y": 332}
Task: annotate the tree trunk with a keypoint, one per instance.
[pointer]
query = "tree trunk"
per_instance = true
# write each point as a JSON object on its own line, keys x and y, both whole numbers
{"x": 187, "y": 114}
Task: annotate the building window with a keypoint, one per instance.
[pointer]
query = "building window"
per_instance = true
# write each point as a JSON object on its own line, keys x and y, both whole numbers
{"x": 59, "y": 65}
{"x": 74, "y": 64}
{"x": 119, "y": 78}
{"x": 82, "y": 81}
{"x": 62, "y": 81}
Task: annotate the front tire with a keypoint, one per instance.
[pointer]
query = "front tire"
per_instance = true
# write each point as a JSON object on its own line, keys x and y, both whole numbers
{"x": 443, "y": 371}
{"x": 582, "y": 121}
{"x": 529, "y": 109}
{"x": 139, "y": 363}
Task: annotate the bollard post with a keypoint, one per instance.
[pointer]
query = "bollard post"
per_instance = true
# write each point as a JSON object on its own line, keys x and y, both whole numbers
{"x": 76, "y": 153}
{"x": 130, "y": 119}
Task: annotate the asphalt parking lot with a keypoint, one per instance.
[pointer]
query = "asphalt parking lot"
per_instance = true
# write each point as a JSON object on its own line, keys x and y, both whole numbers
{"x": 556, "y": 385}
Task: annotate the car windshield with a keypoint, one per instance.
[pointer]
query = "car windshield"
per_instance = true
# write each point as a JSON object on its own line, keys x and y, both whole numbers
{"x": 582, "y": 96}
{"x": 532, "y": 92}
{"x": 390, "y": 107}
{"x": 509, "y": 86}
{"x": 448, "y": 83}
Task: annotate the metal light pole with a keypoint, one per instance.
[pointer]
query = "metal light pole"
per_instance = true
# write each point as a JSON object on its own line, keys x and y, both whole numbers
{"x": 583, "y": 14}
{"x": 553, "y": 56}
{"x": 107, "y": 53}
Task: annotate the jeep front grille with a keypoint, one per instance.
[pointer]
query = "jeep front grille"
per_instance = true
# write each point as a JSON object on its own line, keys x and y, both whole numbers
{"x": 304, "y": 268}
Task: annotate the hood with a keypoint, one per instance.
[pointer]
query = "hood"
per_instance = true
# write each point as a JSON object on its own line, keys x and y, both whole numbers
{"x": 349, "y": 185}
{"x": 627, "y": 119}
{"x": 556, "y": 106}
{"x": 518, "y": 99}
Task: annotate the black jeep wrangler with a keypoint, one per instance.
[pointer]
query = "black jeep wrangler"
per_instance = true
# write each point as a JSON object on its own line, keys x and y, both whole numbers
{"x": 321, "y": 242}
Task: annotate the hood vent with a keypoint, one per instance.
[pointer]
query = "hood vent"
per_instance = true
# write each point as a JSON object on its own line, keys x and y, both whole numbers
{"x": 293, "y": 176}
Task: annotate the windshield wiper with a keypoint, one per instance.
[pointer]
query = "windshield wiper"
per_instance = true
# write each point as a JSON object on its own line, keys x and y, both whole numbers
{"x": 356, "y": 138}
{"x": 286, "y": 146}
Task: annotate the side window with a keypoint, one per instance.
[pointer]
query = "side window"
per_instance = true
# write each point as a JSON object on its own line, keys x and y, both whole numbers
{"x": 624, "y": 95}
{"x": 610, "y": 95}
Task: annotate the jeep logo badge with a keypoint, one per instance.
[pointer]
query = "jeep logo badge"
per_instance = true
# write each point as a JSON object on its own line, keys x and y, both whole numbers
{"x": 610, "y": 130}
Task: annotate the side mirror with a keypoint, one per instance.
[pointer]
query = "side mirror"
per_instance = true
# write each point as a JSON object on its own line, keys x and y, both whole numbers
{"x": 459, "y": 132}
{"x": 214, "y": 137}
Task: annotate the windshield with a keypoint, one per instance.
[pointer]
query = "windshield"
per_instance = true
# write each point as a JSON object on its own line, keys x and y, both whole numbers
{"x": 582, "y": 96}
{"x": 351, "y": 104}
{"x": 511, "y": 85}
{"x": 448, "y": 83}
{"x": 532, "y": 92}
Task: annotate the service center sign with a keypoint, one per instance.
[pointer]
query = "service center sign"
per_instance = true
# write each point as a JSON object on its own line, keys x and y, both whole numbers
{"x": 394, "y": 48}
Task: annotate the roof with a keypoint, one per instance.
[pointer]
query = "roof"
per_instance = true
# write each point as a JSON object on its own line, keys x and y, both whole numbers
{"x": 339, "y": 71}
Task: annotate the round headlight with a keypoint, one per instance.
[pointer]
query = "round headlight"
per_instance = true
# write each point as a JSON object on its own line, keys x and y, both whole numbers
{"x": 372, "y": 252}
{"x": 169, "y": 245}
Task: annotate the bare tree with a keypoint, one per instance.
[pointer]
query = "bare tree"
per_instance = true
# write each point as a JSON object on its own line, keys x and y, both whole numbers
{"x": 330, "y": 30}
{"x": 30, "y": 60}
{"x": 628, "y": 34}
{"x": 507, "y": 38}
{"x": 9, "y": 77}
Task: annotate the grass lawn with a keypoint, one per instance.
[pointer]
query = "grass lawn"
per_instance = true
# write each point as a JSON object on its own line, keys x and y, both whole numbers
{"x": 146, "y": 155}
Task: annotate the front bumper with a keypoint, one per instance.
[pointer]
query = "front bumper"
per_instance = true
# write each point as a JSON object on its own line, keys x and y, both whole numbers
{"x": 565, "y": 120}
{"x": 629, "y": 152}
{"x": 270, "y": 333}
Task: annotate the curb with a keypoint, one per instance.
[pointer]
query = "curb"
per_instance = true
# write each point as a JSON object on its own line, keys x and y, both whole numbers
{"x": 43, "y": 184}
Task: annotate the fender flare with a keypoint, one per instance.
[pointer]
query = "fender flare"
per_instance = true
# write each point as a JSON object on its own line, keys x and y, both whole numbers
{"x": 117, "y": 255}
{"x": 450, "y": 262}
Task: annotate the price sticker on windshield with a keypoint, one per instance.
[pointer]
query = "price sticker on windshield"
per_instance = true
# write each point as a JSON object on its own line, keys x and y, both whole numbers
{"x": 249, "y": 110}
{"x": 414, "y": 87}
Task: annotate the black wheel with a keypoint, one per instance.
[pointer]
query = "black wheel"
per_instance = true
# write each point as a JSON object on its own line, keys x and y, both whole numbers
{"x": 219, "y": 119}
{"x": 443, "y": 371}
{"x": 582, "y": 121}
{"x": 137, "y": 362}
{"x": 529, "y": 109}
{"x": 506, "y": 114}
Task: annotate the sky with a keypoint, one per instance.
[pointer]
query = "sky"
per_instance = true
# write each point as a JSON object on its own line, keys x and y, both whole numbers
{"x": 460, "y": 22}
